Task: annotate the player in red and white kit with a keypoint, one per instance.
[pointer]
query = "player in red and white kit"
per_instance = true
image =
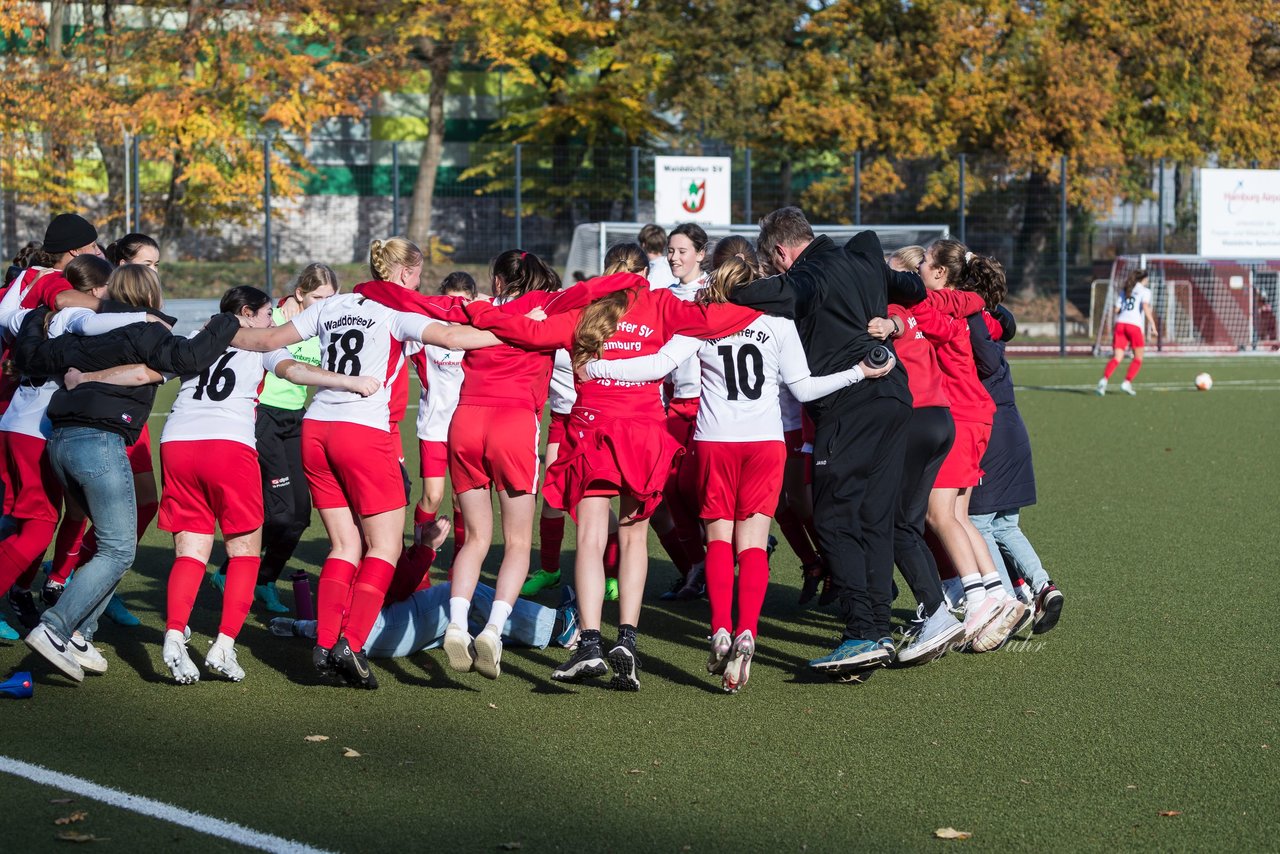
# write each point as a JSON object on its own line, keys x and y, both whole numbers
{"x": 617, "y": 444}
{"x": 209, "y": 456}
{"x": 738, "y": 449}
{"x": 1133, "y": 314}
{"x": 350, "y": 454}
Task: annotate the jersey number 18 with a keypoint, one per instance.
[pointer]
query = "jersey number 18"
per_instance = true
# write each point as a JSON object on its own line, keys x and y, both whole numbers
{"x": 344, "y": 353}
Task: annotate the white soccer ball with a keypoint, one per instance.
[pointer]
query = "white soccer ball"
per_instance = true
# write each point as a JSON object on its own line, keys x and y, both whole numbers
{"x": 1204, "y": 382}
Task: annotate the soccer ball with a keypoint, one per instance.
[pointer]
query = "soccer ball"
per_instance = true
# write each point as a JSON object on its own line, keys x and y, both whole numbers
{"x": 1204, "y": 382}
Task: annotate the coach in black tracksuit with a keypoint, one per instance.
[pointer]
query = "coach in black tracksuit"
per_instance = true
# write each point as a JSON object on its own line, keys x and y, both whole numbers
{"x": 832, "y": 292}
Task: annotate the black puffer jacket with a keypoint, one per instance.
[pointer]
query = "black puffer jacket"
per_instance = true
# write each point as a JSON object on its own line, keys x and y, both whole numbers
{"x": 116, "y": 409}
{"x": 832, "y": 292}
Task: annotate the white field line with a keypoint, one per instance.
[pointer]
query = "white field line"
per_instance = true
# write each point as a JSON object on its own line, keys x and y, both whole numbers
{"x": 1236, "y": 385}
{"x": 155, "y": 809}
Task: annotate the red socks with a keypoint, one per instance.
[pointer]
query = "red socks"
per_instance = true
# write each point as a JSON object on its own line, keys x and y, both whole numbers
{"x": 720, "y": 584}
{"x": 146, "y": 512}
{"x": 333, "y": 590}
{"x": 421, "y": 519}
{"x": 550, "y": 541}
{"x": 1134, "y": 367}
{"x": 370, "y": 589}
{"x": 753, "y": 581}
{"x": 1110, "y": 369}
{"x": 459, "y": 533}
{"x": 411, "y": 574}
{"x": 66, "y": 548}
{"x": 797, "y": 537}
{"x": 612, "y": 556}
{"x": 19, "y": 550}
{"x": 184, "y": 583}
{"x": 237, "y": 595}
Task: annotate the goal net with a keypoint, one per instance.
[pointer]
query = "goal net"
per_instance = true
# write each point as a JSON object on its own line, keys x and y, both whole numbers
{"x": 591, "y": 240}
{"x": 1200, "y": 304}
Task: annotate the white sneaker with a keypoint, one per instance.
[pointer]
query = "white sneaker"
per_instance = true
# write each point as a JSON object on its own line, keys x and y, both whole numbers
{"x": 91, "y": 661}
{"x": 176, "y": 658}
{"x": 55, "y": 650}
{"x": 721, "y": 643}
{"x": 738, "y": 668}
{"x": 459, "y": 649}
{"x": 1127, "y": 388}
{"x": 488, "y": 652}
{"x": 1102, "y": 386}
{"x": 998, "y": 631}
{"x": 940, "y": 630}
{"x": 979, "y": 616}
{"x": 222, "y": 660}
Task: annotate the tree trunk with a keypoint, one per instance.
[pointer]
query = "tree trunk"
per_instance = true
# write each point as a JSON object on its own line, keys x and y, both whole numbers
{"x": 175, "y": 219}
{"x": 784, "y": 178}
{"x": 113, "y": 159}
{"x": 438, "y": 58}
{"x": 1038, "y": 222}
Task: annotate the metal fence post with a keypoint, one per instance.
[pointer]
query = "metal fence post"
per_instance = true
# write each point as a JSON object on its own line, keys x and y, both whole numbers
{"x": 964, "y": 201}
{"x": 635, "y": 182}
{"x": 747, "y": 180}
{"x": 519, "y": 203}
{"x": 395, "y": 187}
{"x": 137, "y": 187}
{"x": 266, "y": 210}
{"x": 128, "y": 209}
{"x": 4, "y": 244}
{"x": 1062, "y": 263}
{"x": 1160, "y": 214}
{"x": 857, "y": 188}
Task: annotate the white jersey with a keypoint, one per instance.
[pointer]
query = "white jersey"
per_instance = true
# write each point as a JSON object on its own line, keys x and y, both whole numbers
{"x": 219, "y": 402}
{"x": 792, "y": 412}
{"x": 1133, "y": 308}
{"x": 26, "y": 412}
{"x": 358, "y": 337}
{"x": 659, "y": 275}
{"x": 562, "y": 393}
{"x": 439, "y": 396}
{"x": 686, "y": 379}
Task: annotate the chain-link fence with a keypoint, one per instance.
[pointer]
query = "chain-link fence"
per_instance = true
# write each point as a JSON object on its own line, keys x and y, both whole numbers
{"x": 324, "y": 200}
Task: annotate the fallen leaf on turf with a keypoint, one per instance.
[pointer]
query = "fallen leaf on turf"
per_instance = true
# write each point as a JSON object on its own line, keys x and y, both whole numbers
{"x": 316, "y": 738}
{"x": 61, "y": 800}
{"x": 1131, "y": 787}
{"x": 951, "y": 833}
{"x": 657, "y": 763}
{"x": 72, "y": 836}
{"x": 1167, "y": 813}
{"x": 1024, "y": 782}
{"x": 349, "y": 753}
{"x": 511, "y": 846}
{"x": 78, "y": 815}
{"x": 493, "y": 705}
{"x": 635, "y": 771}
{"x": 1030, "y": 712}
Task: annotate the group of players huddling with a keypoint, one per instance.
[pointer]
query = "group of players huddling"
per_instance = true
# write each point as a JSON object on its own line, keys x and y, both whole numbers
{"x": 862, "y": 402}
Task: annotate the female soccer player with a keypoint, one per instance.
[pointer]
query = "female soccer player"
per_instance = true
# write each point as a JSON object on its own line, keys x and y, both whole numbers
{"x": 738, "y": 450}
{"x": 350, "y": 454}
{"x": 1133, "y": 314}
{"x": 209, "y": 454}
{"x": 616, "y": 445}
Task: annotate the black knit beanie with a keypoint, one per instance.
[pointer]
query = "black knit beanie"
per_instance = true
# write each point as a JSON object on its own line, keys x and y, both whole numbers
{"x": 68, "y": 231}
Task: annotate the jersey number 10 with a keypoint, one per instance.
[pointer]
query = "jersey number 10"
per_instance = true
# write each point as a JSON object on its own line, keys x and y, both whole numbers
{"x": 738, "y": 372}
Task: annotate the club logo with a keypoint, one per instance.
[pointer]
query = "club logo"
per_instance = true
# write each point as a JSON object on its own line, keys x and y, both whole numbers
{"x": 696, "y": 199}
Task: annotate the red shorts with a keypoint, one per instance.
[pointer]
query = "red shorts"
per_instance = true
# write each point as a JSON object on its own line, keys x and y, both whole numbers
{"x": 351, "y": 465}
{"x": 32, "y": 491}
{"x": 963, "y": 466}
{"x": 794, "y": 440}
{"x": 558, "y": 423}
{"x": 1128, "y": 335}
{"x": 493, "y": 445}
{"x": 682, "y": 419}
{"x": 208, "y": 481}
{"x": 139, "y": 452}
{"x": 738, "y": 479}
{"x": 433, "y": 458}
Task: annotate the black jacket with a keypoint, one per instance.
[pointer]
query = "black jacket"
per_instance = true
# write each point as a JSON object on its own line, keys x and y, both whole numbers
{"x": 116, "y": 409}
{"x": 1009, "y": 479}
{"x": 832, "y": 292}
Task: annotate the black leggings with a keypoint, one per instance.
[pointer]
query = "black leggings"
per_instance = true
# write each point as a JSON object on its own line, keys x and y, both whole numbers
{"x": 929, "y": 436}
{"x": 285, "y": 496}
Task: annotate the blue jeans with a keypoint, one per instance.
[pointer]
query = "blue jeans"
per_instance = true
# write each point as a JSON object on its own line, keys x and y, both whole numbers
{"x": 94, "y": 470}
{"x": 1004, "y": 537}
{"x": 419, "y": 622}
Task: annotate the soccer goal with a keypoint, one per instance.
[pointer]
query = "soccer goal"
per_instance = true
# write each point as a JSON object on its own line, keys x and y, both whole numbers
{"x": 591, "y": 240}
{"x": 1200, "y": 303}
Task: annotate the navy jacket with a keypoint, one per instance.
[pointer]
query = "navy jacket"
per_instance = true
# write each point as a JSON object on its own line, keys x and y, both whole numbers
{"x": 1009, "y": 480}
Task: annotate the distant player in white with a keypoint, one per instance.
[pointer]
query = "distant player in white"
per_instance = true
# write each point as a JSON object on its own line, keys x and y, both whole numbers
{"x": 352, "y": 458}
{"x": 1133, "y": 314}
{"x": 654, "y": 242}
{"x": 738, "y": 448}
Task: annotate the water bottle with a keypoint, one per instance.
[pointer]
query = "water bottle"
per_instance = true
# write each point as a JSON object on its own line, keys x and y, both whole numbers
{"x": 878, "y": 356}
{"x": 303, "y": 605}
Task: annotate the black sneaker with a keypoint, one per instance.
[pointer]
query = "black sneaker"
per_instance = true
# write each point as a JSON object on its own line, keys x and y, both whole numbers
{"x": 24, "y": 606}
{"x": 771, "y": 547}
{"x": 51, "y": 592}
{"x": 322, "y": 660}
{"x": 673, "y": 592}
{"x": 585, "y": 663}
{"x": 625, "y": 664}
{"x": 1048, "y": 609}
{"x": 809, "y": 586}
{"x": 695, "y": 585}
{"x": 353, "y": 666}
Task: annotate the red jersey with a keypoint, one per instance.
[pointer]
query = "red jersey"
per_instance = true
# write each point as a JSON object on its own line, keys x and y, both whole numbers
{"x": 503, "y": 375}
{"x": 917, "y": 355}
{"x": 950, "y": 338}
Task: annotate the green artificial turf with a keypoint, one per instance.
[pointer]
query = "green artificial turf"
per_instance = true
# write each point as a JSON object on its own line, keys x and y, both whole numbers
{"x": 1156, "y": 693}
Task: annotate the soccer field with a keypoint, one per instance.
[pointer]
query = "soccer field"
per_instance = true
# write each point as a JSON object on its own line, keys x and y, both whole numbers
{"x": 1147, "y": 719}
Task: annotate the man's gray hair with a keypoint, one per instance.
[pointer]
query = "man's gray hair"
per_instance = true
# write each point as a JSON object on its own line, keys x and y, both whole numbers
{"x": 784, "y": 227}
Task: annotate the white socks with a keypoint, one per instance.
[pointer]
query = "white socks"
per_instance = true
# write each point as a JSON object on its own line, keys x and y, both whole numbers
{"x": 974, "y": 591}
{"x": 993, "y": 586}
{"x": 498, "y": 617}
{"x": 458, "y": 610}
